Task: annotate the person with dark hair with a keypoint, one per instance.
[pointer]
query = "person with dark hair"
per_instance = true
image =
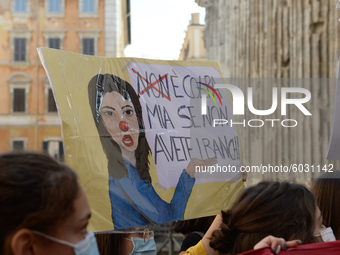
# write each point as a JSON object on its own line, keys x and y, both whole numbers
{"x": 326, "y": 190}
{"x": 109, "y": 243}
{"x": 285, "y": 210}
{"x": 43, "y": 209}
{"x": 132, "y": 241}
{"x": 117, "y": 114}
{"x": 193, "y": 230}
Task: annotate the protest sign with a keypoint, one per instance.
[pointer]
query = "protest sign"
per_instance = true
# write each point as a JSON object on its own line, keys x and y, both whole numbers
{"x": 134, "y": 133}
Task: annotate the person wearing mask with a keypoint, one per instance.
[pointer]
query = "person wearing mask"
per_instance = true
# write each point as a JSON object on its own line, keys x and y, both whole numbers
{"x": 43, "y": 209}
{"x": 326, "y": 190}
{"x": 138, "y": 240}
{"x": 285, "y": 210}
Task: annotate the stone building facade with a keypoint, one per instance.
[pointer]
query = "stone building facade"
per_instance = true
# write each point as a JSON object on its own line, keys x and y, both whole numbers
{"x": 28, "y": 115}
{"x": 278, "y": 39}
{"x": 193, "y": 45}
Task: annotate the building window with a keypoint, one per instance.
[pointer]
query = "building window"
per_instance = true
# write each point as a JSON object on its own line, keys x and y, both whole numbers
{"x": 19, "y": 89}
{"x": 54, "y": 43}
{"x": 19, "y": 49}
{"x": 55, "y": 8}
{"x": 88, "y": 8}
{"x": 18, "y": 144}
{"x": 20, "y": 6}
{"x": 88, "y": 46}
{"x": 20, "y": 42}
{"x": 88, "y": 41}
{"x": 54, "y": 38}
{"x": 50, "y": 104}
{"x": 54, "y": 147}
{"x": 19, "y": 100}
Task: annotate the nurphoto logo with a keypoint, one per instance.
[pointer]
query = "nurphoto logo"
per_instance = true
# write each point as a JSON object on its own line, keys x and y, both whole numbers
{"x": 238, "y": 104}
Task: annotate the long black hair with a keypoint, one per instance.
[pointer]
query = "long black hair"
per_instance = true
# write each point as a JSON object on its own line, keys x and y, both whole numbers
{"x": 99, "y": 85}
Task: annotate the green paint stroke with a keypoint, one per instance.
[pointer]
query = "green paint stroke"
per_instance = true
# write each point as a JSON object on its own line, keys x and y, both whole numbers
{"x": 209, "y": 94}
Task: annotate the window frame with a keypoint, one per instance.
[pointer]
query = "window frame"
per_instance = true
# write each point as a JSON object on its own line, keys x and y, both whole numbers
{"x": 88, "y": 34}
{"x": 13, "y": 90}
{"x": 60, "y": 141}
{"x": 19, "y": 81}
{"x": 15, "y": 49}
{"x": 88, "y": 39}
{"x": 20, "y": 33}
{"x": 24, "y": 14}
{"x": 53, "y": 33}
{"x": 60, "y": 14}
{"x": 47, "y": 86}
{"x": 88, "y": 14}
{"x": 49, "y": 42}
{"x": 18, "y": 139}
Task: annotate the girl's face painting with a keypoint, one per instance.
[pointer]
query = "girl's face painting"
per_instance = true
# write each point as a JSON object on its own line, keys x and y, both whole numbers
{"x": 120, "y": 120}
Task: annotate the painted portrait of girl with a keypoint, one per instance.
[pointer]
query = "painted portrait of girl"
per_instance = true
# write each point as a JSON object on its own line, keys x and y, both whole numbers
{"x": 117, "y": 114}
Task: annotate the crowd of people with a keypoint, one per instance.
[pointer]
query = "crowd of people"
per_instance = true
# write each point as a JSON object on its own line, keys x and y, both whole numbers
{"x": 44, "y": 210}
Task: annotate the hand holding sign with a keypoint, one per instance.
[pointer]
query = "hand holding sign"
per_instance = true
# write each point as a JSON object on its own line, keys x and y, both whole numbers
{"x": 126, "y": 129}
{"x": 199, "y": 162}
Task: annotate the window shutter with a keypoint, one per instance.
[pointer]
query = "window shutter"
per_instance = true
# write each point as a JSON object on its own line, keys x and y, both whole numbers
{"x": 16, "y": 49}
{"x": 54, "y": 43}
{"x": 88, "y": 46}
{"x": 52, "y": 107}
{"x": 57, "y": 43}
{"x": 18, "y": 145}
{"x": 23, "y": 49}
{"x": 84, "y": 46}
{"x": 19, "y": 100}
{"x": 45, "y": 146}
{"x": 61, "y": 151}
{"x": 19, "y": 49}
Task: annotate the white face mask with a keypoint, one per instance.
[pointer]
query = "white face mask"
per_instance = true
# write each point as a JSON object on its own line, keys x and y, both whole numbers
{"x": 140, "y": 247}
{"x": 327, "y": 235}
{"x": 87, "y": 246}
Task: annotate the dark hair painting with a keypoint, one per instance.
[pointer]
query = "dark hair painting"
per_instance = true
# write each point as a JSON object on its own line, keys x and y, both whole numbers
{"x": 98, "y": 86}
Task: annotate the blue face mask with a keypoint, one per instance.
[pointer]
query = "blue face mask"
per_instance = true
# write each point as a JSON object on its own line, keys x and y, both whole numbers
{"x": 87, "y": 246}
{"x": 142, "y": 248}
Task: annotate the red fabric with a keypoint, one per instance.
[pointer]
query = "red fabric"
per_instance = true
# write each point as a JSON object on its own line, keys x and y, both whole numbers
{"x": 309, "y": 249}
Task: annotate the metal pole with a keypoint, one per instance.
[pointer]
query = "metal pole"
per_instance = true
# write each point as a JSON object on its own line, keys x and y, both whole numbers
{"x": 171, "y": 244}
